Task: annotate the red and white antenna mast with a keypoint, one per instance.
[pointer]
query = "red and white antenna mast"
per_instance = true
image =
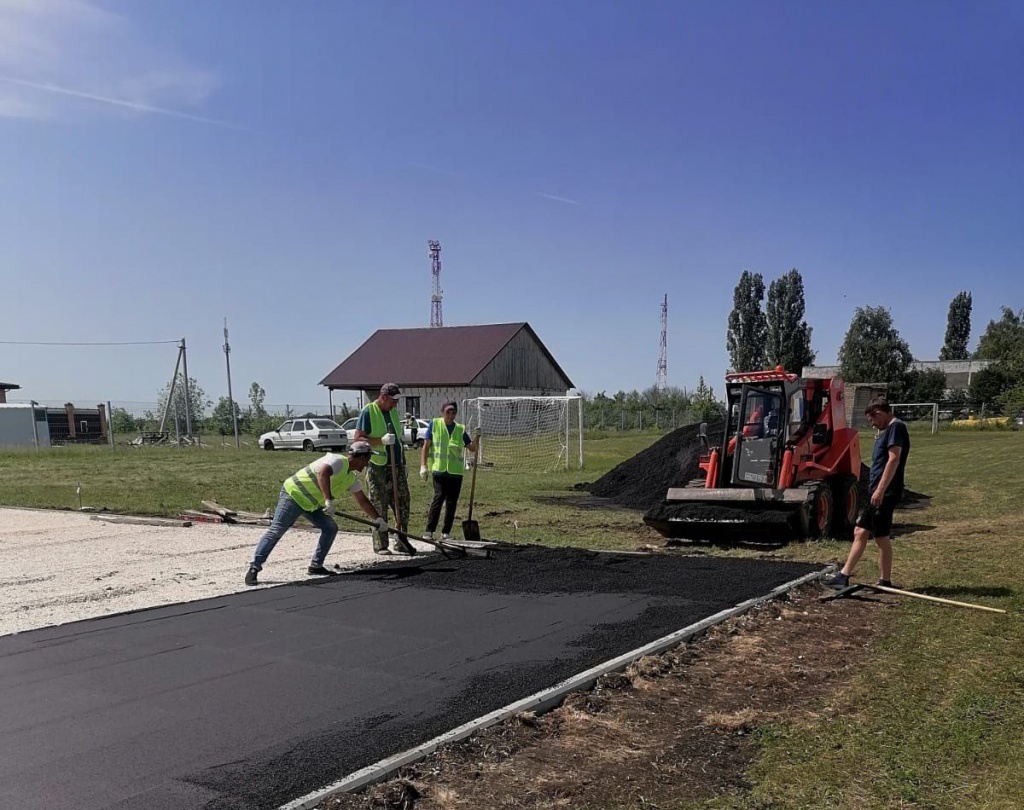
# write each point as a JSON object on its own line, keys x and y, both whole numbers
{"x": 435, "y": 270}
{"x": 661, "y": 383}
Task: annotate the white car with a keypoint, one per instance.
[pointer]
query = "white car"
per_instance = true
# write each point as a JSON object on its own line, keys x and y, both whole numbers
{"x": 349, "y": 426}
{"x": 306, "y": 434}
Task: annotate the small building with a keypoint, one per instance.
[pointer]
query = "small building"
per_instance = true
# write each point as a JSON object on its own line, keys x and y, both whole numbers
{"x": 433, "y": 364}
{"x": 4, "y": 388}
{"x": 32, "y": 425}
{"x": 23, "y": 425}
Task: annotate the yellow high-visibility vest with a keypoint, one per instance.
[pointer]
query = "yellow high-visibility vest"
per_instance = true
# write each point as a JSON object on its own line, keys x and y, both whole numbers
{"x": 378, "y": 427}
{"x": 305, "y": 491}
{"x": 446, "y": 450}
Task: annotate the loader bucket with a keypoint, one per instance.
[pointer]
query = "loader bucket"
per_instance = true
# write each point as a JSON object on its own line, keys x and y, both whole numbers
{"x": 752, "y": 514}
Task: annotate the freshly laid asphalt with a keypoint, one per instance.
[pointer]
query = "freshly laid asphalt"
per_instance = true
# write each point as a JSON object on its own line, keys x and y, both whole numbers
{"x": 254, "y": 699}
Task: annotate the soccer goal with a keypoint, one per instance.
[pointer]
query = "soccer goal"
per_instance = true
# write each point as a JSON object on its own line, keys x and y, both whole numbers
{"x": 918, "y": 415}
{"x": 528, "y": 434}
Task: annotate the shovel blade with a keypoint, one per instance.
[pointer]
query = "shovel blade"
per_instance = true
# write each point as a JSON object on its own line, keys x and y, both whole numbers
{"x": 471, "y": 531}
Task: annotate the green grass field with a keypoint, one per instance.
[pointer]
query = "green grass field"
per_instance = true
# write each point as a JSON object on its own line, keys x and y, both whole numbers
{"x": 936, "y": 720}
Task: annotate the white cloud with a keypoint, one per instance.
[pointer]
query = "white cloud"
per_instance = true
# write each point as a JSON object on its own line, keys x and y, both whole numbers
{"x": 60, "y": 58}
{"x": 556, "y": 198}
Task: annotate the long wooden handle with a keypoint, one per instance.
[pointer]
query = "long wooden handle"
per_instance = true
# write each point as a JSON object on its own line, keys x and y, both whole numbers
{"x": 472, "y": 486}
{"x": 887, "y": 589}
{"x": 394, "y": 484}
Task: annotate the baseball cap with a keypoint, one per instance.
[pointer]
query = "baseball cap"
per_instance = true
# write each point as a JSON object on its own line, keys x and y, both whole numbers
{"x": 390, "y": 389}
{"x": 360, "y": 448}
{"x": 449, "y": 403}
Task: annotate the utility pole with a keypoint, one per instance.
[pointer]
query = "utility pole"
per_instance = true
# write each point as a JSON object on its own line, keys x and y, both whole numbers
{"x": 661, "y": 382}
{"x": 188, "y": 395}
{"x": 436, "y": 318}
{"x": 231, "y": 399}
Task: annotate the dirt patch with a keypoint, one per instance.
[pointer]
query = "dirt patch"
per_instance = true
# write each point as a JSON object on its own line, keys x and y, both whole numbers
{"x": 641, "y": 482}
{"x": 675, "y": 727}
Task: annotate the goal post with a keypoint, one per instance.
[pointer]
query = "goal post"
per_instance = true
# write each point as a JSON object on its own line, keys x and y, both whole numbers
{"x": 528, "y": 434}
{"x": 918, "y": 414}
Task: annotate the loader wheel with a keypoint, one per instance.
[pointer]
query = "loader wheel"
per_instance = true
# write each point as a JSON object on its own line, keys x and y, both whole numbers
{"x": 819, "y": 522}
{"x": 846, "y": 495}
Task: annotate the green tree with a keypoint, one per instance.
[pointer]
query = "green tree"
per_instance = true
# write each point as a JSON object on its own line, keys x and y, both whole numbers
{"x": 747, "y": 334}
{"x": 220, "y": 419}
{"x": 958, "y": 328}
{"x": 989, "y": 385}
{"x": 257, "y": 396}
{"x": 122, "y": 421}
{"x": 789, "y": 336}
{"x": 927, "y": 385}
{"x": 705, "y": 407}
{"x": 873, "y": 350}
{"x": 1003, "y": 342}
{"x": 197, "y": 404}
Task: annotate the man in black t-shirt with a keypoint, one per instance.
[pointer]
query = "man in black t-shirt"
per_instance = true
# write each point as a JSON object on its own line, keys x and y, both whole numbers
{"x": 885, "y": 489}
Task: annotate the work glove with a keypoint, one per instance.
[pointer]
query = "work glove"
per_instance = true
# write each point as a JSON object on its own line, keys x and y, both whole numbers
{"x": 329, "y": 507}
{"x": 387, "y": 439}
{"x": 381, "y": 524}
{"x": 423, "y": 472}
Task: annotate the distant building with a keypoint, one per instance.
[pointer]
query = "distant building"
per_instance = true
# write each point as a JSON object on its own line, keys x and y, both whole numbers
{"x": 958, "y": 378}
{"x": 433, "y": 364}
{"x": 4, "y": 388}
{"x": 31, "y": 425}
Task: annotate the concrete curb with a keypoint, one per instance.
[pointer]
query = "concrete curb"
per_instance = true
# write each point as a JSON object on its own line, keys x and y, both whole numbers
{"x": 540, "y": 701}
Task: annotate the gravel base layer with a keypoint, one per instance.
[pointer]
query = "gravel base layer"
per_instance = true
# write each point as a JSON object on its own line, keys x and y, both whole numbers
{"x": 61, "y": 567}
{"x": 246, "y": 701}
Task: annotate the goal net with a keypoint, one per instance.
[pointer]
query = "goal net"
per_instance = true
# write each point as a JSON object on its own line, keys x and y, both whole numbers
{"x": 527, "y": 434}
{"x": 918, "y": 415}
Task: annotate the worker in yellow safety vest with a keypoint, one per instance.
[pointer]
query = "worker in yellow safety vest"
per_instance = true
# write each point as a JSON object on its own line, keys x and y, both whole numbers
{"x": 444, "y": 443}
{"x": 381, "y": 425}
{"x": 311, "y": 492}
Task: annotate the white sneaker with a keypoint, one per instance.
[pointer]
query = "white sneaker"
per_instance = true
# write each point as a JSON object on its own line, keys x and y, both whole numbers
{"x": 428, "y": 536}
{"x": 447, "y": 537}
{"x": 382, "y": 552}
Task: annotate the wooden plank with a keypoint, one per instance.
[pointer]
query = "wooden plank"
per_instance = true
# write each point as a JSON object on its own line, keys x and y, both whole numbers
{"x": 201, "y": 517}
{"x": 217, "y": 509}
{"x": 939, "y": 599}
{"x": 142, "y": 521}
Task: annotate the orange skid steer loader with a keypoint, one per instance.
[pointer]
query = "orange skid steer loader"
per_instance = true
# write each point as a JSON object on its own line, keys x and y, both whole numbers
{"x": 787, "y": 465}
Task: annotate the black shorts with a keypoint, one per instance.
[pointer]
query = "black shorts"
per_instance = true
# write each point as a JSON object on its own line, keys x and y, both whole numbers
{"x": 878, "y": 520}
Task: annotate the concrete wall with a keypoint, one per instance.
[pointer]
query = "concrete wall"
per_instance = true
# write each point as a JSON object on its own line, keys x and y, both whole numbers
{"x": 16, "y": 426}
{"x": 958, "y": 372}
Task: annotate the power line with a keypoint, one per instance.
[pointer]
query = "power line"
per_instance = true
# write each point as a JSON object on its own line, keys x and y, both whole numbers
{"x": 125, "y": 343}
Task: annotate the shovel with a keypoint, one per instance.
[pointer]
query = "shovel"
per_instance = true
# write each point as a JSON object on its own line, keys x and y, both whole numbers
{"x": 447, "y": 549}
{"x": 470, "y": 528}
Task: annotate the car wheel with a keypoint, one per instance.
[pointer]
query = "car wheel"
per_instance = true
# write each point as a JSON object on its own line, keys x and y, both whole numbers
{"x": 307, "y": 446}
{"x": 419, "y": 443}
{"x": 268, "y": 445}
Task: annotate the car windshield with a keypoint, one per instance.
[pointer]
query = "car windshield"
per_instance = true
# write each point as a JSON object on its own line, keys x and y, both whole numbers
{"x": 326, "y": 424}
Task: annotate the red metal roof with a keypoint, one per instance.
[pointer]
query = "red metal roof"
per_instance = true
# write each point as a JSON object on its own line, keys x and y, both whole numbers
{"x": 430, "y": 356}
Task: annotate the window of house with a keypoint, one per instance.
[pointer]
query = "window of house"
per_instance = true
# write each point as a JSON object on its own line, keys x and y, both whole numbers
{"x": 412, "y": 405}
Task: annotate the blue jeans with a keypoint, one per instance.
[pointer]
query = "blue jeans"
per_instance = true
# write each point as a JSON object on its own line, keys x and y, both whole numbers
{"x": 284, "y": 518}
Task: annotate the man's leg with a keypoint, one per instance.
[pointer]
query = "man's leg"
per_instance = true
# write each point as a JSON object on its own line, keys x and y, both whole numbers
{"x": 884, "y": 558}
{"x": 454, "y": 488}
{"x": 379, "y": 494}
{"x": 328, "y": 531}
{"x": 285, "y": 515}
{"x": 404, "y": 504}
{"x": 860, "y": 542}
{"x": 435, "y": 505}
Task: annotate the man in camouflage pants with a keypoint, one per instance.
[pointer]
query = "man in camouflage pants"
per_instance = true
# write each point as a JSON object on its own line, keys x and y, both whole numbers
{"x": 380, "y": 425}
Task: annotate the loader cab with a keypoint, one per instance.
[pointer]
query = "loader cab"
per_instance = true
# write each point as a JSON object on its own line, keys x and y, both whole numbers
{"x": 760, "y": 433}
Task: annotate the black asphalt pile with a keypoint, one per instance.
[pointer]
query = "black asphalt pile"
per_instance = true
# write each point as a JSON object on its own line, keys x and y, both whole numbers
{"x": 642, "y": 481}
{"x": 710, "y": 521}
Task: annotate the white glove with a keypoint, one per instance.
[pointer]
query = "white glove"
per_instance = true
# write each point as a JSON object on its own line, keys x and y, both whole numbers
{"x": 382, "y": 524}
{"x": 329, "y": 507}
{"x": 387, "y": 439}
{"x": 423, "y": 472}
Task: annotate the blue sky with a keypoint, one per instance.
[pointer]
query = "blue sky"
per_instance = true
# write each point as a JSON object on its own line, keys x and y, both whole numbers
{"x": 165, "y": 165}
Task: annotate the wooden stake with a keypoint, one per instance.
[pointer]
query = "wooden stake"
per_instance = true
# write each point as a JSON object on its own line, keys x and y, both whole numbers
{"x": 899, "y": 592}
